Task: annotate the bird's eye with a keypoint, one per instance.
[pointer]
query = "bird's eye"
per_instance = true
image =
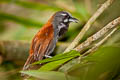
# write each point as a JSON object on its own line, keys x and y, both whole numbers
{"x": 66, "y": 16}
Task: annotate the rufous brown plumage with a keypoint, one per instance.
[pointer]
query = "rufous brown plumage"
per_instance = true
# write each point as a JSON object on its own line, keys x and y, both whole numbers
{"x": 45, "y": 40}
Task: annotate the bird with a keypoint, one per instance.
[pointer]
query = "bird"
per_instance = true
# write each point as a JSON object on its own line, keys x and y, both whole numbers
{"x": 44, "y": 42}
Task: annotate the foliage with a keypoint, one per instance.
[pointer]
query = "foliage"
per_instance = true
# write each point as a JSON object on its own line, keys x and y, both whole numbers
{"x": 48, "y": 75}
{"x": 27, "y": 22}
{"x": 101, "y": 65}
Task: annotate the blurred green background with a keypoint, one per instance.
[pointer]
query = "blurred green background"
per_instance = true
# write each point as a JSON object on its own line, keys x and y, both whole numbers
{"x": 21, "y": 19}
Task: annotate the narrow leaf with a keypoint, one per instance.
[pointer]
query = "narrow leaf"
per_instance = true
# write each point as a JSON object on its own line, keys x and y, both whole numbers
{"x": 53, "y": 65}
{"x": 27, "y": 22}
{"x": 48, "y": 75}
{"x": 60, "y": 56}
{"x": 104, "y": 64}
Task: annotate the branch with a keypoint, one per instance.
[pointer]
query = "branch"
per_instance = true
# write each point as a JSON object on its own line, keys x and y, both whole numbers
{"x": 17, "y": 51}
{"x": 98, "y": 35}
{"x": 99, "y": 43}
{"x": 88, "y": 24}
{"x": 14, "y": 50}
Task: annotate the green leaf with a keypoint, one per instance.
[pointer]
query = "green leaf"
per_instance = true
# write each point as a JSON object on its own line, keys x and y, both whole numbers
{"x": 27, "y": 22}
{"x": 57, "y": 60}
{"x": 54, "y": 65}
{"x": 48, "y": 75}
{"x": 104, "y": 64}
{"x": 60, "y": 56}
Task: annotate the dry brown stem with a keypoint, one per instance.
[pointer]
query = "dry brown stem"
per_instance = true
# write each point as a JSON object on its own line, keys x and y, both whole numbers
{"x": 88, "y": 24}
{"x": 94, "y": 48}
{"x": 98, "y": 35}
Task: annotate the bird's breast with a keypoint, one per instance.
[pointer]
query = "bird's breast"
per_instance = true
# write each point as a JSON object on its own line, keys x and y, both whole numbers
{"x": 62, "y": 28}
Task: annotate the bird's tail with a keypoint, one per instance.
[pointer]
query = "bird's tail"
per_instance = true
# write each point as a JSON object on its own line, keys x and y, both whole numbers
{"x": 27, "y": 63}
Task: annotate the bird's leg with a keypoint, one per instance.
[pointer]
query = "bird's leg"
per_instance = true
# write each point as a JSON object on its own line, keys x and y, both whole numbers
{"x": 46, "y": 56}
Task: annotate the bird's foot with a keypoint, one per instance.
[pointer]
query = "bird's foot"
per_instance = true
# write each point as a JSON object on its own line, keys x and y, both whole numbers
{"x": 46, "y": 56}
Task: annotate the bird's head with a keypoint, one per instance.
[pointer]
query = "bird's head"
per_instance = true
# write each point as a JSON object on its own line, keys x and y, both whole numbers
{"x": 63, "y": 17}
{"x": 61, "y": 21}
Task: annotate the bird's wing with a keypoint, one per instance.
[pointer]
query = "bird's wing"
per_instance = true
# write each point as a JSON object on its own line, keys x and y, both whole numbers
{"x": 41, "y": 42}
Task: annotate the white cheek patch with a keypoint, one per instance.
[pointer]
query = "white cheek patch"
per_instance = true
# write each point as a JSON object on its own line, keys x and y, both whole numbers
{"x": 66, "y": 20}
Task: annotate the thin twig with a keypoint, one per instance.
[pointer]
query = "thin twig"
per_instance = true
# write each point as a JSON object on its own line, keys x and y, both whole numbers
{"x": 94, "y": 48}
{"x": 88, "y": 24}
{"x": 98, "y": 35}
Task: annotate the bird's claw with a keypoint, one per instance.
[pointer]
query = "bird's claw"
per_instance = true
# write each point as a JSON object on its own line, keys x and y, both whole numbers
{"x": 46, "y": 56}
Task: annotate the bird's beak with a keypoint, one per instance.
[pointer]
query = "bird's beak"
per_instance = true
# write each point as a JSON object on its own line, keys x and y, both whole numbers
{"x": 72, "y": 19}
